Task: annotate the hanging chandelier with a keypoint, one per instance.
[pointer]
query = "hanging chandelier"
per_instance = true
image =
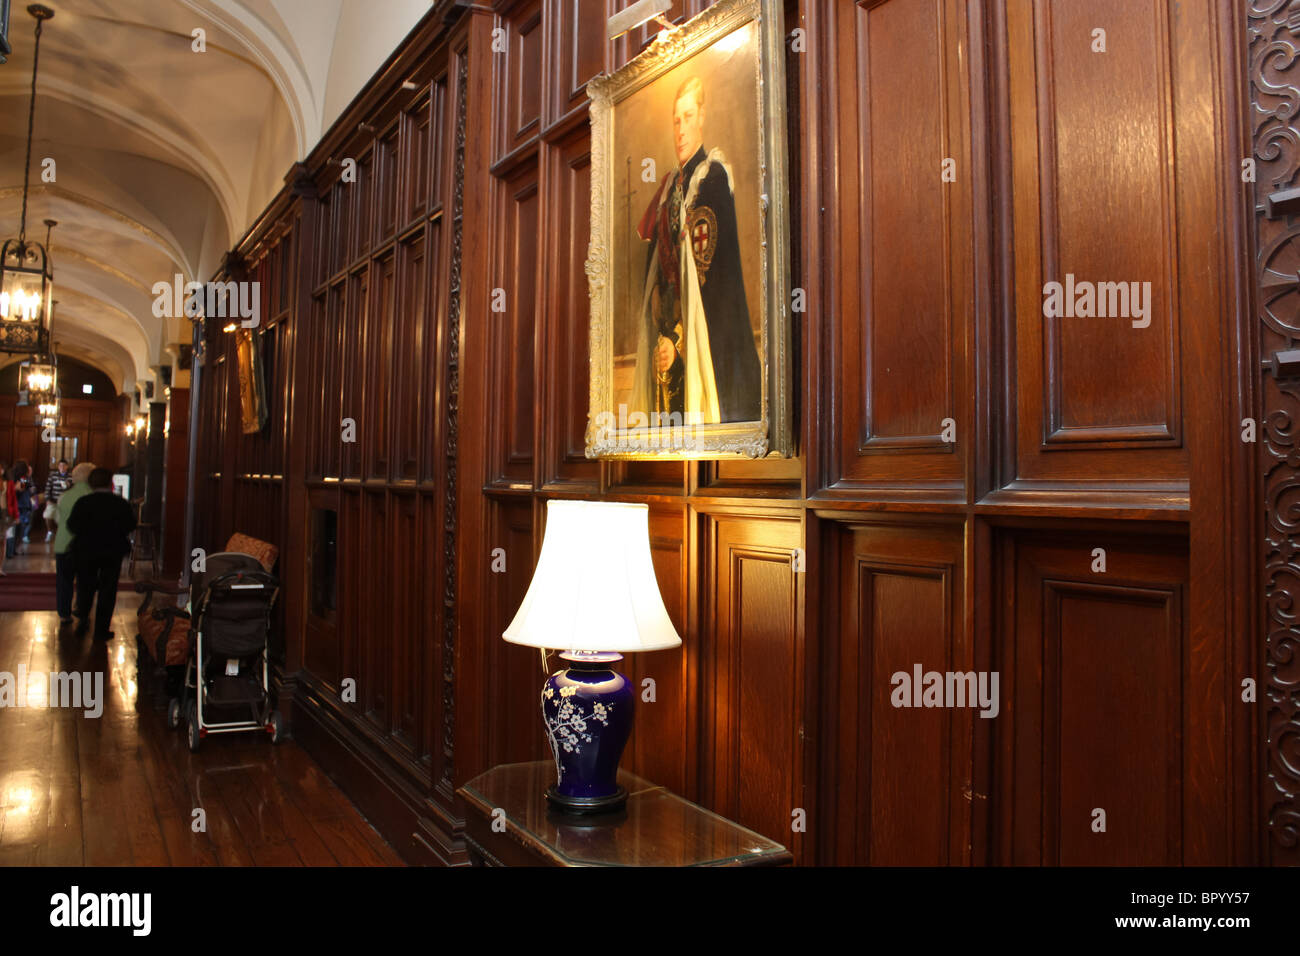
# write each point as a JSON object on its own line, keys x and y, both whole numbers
{"x": 43, "y": 370}
{"x": 25, "y": 276}
{"x": 41, "y": 383}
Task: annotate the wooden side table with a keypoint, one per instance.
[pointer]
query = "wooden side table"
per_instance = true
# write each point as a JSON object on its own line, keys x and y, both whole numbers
{"x": 508, "y": 822}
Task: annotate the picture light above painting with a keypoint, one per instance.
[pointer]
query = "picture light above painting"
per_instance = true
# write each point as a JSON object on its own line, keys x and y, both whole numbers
{"x": 689, "y": 257}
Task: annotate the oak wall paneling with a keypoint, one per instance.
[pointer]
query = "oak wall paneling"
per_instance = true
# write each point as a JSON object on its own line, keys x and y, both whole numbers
{"x": 95, "y": 423}
{"x": 564, "y": 465}
{"x": 365, "y": 315}
{"x": 751, "y": 660}
{"x": 946, "y": 332}
{"x": 175, "y": 467}
{"x": 515, "y": 328}
{"x": 1098, "y": 387}
{"x": 907, "y": 268}
{"x": 903, "y": 776}
{"x": 924, "y": 302}
{"x": 1097, "y": 664}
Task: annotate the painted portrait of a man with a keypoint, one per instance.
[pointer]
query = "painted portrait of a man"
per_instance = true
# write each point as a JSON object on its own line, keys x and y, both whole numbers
{"x": 696, "y": 354}
{"x": 688, "y": 262}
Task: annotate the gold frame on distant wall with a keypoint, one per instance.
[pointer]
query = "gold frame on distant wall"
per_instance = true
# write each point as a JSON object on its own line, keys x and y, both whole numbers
{"x": 252, "y": 384}
{"x": 625, "y": 310}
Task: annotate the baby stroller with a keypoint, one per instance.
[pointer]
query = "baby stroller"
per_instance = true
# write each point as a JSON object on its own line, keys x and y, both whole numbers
{"x": 227, "y": 679}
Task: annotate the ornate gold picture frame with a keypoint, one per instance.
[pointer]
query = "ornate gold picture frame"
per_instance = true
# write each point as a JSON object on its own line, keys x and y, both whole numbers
{"x": 252, "y": 382}
{"x": 689, "y": 255}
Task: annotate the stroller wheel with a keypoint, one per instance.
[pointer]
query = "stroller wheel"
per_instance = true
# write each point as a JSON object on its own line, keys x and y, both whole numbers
{"x": 192, "y": 722}
{"x": 173, "y": 714}
{"x": 277, "y": 727}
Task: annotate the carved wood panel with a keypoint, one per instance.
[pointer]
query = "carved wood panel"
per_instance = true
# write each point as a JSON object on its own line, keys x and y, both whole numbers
{"x": 1274, "y": 33}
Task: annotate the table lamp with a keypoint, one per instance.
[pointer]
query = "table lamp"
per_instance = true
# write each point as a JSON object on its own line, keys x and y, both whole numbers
{"x": 594, "y": 597}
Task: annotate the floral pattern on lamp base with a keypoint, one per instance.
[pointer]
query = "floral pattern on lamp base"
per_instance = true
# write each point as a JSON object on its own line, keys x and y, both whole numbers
{"x": 588, "y": 713}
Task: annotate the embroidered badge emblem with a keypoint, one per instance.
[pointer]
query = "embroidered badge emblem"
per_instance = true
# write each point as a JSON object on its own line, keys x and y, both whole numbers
{"x": 703, "y": 228}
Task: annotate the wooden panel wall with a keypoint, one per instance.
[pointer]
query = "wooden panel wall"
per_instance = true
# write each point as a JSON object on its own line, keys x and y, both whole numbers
{"x": 359, "y": 298}
{"x": 95, "y": 423}
{"x": 964, "y": 462}
{"x": 966, "y": 555}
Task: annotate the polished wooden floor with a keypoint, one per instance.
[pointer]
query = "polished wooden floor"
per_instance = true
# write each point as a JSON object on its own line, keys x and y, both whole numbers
{"x": 121, "y": 789}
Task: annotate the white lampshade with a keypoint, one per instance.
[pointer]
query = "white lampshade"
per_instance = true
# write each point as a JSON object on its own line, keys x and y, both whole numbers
{"x": 594, "y": 588}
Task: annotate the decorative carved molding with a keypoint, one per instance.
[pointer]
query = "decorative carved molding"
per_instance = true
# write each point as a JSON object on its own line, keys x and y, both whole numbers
{"x": 1273, "y": 28}
{"x": 300, "y": 182}
{"x": 453, "y": 414}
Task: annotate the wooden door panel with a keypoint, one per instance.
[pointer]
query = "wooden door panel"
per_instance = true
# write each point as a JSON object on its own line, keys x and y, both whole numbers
{"x": 661, "y": 739}
{"x": 514, "y": 340}
{"x": 1099, "y": 394}
{"x": 904, "y": 245}
{"x": 516, "y": 677}
{"x": 751, "y": 653}
{"x": 416, "y": 160}
{"x": 409, "y": 369}
{"x": 564, "y": 404}
{"x": 1095, "y": 679}
{"x": 582, "y": 50}
{"x": 901, "y": 772}
{"x": 356, "y": 408}
{"x": 406, "y": 576}
{"x": 520, "y": 77}
{"x": 381, "y": 320}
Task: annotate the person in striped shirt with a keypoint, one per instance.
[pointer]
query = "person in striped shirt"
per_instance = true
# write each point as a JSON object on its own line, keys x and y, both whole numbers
{"x": 55, "y": 485}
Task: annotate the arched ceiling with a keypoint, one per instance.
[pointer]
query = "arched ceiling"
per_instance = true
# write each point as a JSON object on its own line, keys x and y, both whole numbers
{"x": 164, "y": 155}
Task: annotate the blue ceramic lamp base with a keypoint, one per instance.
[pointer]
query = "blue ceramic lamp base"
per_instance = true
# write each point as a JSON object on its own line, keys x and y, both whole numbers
{"x": 588, "y": 713}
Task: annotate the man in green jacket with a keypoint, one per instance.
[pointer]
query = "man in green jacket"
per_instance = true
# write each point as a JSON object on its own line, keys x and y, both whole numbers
{"x": 65, "y": 567}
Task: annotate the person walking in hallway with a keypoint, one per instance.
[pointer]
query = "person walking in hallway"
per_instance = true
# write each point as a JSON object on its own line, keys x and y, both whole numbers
{"x": 101, "y": 523}
{"x": 8, "y": 511}
{"x": 55, "y": 485}
{"x": 65, "y": 566}
{"x": 20, "y": 480}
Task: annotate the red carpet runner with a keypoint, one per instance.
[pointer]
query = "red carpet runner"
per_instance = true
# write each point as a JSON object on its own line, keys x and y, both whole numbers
{"x": 34, "y": 591}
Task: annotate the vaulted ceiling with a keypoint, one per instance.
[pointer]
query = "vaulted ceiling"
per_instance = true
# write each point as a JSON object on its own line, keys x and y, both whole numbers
{"x": 163, "y": 155}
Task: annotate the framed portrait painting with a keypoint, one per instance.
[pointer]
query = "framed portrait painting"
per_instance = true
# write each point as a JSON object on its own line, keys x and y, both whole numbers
{"x": 688, "y": 261}
{"x": 252, "y": 382}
